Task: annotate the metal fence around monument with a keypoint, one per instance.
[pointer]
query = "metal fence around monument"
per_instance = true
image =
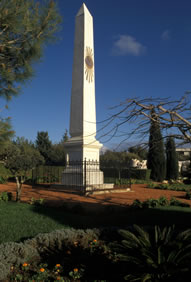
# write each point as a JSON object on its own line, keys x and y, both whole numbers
{"x": 91, "y": 175}
{"x": 47, "y": 174}
{"x": 83, "y": 174}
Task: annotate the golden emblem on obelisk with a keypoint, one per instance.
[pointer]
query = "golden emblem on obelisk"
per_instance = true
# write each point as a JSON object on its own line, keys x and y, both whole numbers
{"x": 89, "y": 70}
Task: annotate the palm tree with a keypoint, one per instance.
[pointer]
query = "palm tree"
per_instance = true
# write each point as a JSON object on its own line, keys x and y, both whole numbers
{"x": 155, "y": 255}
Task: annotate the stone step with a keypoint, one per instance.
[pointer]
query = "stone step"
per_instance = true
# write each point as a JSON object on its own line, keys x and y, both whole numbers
{"x": 105, "y": 191}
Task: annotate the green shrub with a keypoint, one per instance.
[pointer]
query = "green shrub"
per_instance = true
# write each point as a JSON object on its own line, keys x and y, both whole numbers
{"x": 188, "y": 195}
{"x": 14, "y": 254}
{"x": 151, "y": 203}
{"x": 175, "y": 202}
{"x": 164, "y": 186}
{"x": 143, "y": 174}
{"x": 140, "y": 181}
{"x": 43, "y": 246}
{"x": 6, "y": 196}
{"x": 151, "y": 185}
{"x": 162, "y": 201}
{"x": 137, "y": 203}
{"x": 47, "y": 174}
{"x": 37, "y": 202}
{"x": 2, "y": 180}
{"x": 4, "y": 174}
{"x": 172, "y": 187}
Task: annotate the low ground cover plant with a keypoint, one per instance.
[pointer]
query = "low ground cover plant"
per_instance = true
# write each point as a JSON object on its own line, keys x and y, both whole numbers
{"x": 6, "y": 196}
{"x": 162, "y": 201}
{"x": 172, "y": 186}
{"x": 188, "y": 195}
{"x": 132, "y": 254}
{"x": 37, "y": 202}
{"x": 65, "y": 255}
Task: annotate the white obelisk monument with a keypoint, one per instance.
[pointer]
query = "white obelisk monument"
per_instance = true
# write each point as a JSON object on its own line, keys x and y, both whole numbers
{"x": 83, "y": 145}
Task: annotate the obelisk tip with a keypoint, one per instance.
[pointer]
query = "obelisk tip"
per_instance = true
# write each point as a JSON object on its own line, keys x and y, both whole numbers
{"x": 82, "y": 10}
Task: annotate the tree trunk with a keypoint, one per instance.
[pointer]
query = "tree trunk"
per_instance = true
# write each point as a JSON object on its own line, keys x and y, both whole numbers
{"x": 19, "y": 189}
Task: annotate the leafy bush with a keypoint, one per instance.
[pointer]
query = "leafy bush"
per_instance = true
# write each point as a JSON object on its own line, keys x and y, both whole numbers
{"x": 50, "y": 246}
{"x": 162, "y": 201}
{"x": 4, "y": 174}
{"x": 140, "y": 181}
{"x": 14, "y": 254}
{"x": 37, "y": 202}
{"x": 164, "y": 186}
{"x": 172, "y": 187}
{"x": 47, "y": 174}
{"x": 143, "y": 174}
{"x": 151, "y": 185}
{"x": 188, "y": 195}
{"x": 6, "y": 196}
{"x": 2, "y": 180}
{"x": 175, "y": 202}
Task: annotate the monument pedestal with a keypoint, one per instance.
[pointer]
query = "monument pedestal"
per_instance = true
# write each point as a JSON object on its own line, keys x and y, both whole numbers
{"x": 82, "y": 158}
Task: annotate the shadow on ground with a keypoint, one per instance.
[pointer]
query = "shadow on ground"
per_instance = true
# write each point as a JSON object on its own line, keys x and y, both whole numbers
{"x": 93, "y": 215}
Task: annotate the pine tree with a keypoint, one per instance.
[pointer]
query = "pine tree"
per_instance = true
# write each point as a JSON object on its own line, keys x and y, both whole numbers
{"x": 156, "y": 154}
{"x": 44, "y": 145}
{"x": 171, "y": 160}
{"x": 65, "y": 136}
{"x": 25, "y": 26}
{"x": 5, "y": 132}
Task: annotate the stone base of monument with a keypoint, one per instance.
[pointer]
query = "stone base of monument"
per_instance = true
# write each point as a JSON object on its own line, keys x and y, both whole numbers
{"x": 87, "y": 182}
{"x": 79, "y": 177}
{"x": 106, "y": 190}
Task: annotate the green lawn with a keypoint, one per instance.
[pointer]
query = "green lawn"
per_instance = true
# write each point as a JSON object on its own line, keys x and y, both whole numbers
{"x": 19, "y": 221}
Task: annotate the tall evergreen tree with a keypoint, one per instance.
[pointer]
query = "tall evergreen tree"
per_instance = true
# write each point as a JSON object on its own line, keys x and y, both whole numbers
{"x": 171, "y": 159}
{"x": 65, "y": 136}
{"x": 44, "y": 145}
{"x": 156, "y": 154}
{"x": 25, "y": 26}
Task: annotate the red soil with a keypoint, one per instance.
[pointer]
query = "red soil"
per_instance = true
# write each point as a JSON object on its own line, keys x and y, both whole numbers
{"x": 55, "y": 197}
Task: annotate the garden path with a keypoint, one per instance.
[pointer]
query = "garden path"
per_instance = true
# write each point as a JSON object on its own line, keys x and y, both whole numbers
{"x": 57, "y": 198}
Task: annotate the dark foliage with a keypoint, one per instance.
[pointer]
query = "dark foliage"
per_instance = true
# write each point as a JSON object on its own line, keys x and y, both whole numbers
{"x": 156, "y": 156}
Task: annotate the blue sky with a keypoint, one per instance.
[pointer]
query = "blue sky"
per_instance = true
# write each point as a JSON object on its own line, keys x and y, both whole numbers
{"x": 142, "y": 48}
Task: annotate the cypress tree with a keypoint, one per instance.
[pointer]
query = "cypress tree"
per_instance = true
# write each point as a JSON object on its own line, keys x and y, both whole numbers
{"x": 171, "y": 159}
{"x": 156, "y": 154}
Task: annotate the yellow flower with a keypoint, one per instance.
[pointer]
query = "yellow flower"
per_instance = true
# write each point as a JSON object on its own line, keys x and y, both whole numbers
{"x": 58, "y": 270}
{"x": 12, "y": 267}
{"x": 25, "y": 264}
{"x": 42, "y": 269}
{"x": 75, "y": 269}
{"x": 57, "y": 265}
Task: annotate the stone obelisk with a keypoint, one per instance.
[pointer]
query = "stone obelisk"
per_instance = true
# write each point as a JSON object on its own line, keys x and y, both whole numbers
{"x": 83, "y": 145}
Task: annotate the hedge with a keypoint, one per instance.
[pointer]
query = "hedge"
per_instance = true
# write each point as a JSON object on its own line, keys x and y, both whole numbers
{"x": 143, "y": 174}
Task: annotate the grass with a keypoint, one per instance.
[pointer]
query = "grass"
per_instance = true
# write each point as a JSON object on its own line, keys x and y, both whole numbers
{"x": 19, "y": 221}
